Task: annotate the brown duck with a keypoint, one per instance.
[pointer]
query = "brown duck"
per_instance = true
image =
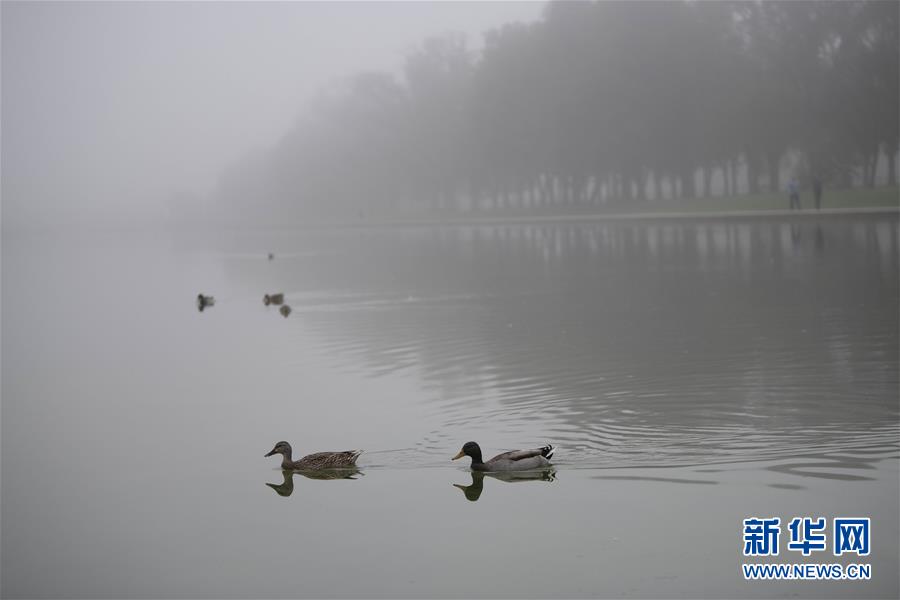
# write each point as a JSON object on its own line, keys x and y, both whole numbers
{"x": 204, "y": 302}
{"x": 319, "y": 460}
{"x": 276, "y": 299}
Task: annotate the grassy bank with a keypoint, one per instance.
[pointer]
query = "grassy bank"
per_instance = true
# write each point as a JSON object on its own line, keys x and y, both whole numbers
{"x": 853, "y": 198}
{"x": 843, "y": 199}
{"x": 833, "y": 202}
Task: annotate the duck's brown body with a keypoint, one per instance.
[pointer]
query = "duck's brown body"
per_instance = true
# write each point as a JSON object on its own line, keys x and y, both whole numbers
{"x": 319, "y": 460}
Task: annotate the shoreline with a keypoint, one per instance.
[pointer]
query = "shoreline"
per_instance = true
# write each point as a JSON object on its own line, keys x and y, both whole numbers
{"x": 465, "y": 221}
{"x": 474, "y": 221}
{"x": 635, "y": 216}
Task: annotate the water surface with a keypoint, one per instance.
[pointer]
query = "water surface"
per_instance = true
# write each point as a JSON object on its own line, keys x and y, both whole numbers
{"x": 692, "y": 374}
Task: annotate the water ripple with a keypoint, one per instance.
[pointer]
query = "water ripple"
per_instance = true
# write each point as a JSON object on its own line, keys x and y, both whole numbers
{"x": 626, "y": 345}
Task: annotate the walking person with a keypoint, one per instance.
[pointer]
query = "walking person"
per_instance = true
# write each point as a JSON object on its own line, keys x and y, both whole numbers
{"x": 793, "y": 188}
{"x": 817, "y": 192}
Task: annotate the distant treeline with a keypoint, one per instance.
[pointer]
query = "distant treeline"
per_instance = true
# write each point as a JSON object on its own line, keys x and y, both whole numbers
{"x": 596, "y": 103}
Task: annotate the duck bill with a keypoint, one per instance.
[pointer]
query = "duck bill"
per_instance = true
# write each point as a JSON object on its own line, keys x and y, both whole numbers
{"x": 271, "y": 452}
{"x": 460, "y": 455}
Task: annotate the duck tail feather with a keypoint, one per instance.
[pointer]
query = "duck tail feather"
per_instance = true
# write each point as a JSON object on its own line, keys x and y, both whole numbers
{"x": 547, "y": 451}
{"x": 354, "y": 454}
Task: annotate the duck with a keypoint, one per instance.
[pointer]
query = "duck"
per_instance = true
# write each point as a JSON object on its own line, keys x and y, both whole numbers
{"x": 273, "y": 299}
{"x": 204, "y": 302}
{"x": 285, "y": 310}
{"x": 514, "y": 460}
{"x": 319, "y": 460}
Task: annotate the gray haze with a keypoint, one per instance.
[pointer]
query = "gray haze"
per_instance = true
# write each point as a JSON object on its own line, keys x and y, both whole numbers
{"x": 596, "y": 104}
{"x": 270, "y": 113}
{"x": 118, "y": 110}
{"x": 692, "y": 371}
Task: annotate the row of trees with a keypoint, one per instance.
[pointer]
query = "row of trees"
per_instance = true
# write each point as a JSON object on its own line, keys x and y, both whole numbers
{"x": 598, "y": 102}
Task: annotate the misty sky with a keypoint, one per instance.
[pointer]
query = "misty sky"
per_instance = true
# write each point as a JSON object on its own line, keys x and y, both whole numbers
{"x": 110, "y": 108}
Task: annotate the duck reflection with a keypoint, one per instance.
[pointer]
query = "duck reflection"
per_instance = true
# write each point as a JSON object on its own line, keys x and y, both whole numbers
{"x": 473, "y": 491}
{"x": 286, "y": 488}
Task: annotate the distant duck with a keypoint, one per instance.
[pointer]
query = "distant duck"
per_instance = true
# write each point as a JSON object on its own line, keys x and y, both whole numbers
{"x": 319, "y": 460}
{"x": 275, "y": 299}
{"x": 285, "y": 310}
{"x": 271, "y": 256}
{"x": 204, "y": 302}
{"x": 515, "y": 460}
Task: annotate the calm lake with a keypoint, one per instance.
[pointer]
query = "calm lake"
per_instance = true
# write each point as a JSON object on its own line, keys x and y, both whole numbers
{"x": 692, "y": 373}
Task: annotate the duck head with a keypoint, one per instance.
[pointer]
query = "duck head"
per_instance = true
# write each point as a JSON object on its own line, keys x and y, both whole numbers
{"x": 282, "y": 448}
{"x": 472, "y": 450}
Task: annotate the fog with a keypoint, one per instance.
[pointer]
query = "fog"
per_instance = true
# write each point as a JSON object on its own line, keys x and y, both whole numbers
{"x": 115, "y": 111}
{"x": 247, "y": 113}
{"x": 399, "y": 227}
{"x": 597, "y": 104}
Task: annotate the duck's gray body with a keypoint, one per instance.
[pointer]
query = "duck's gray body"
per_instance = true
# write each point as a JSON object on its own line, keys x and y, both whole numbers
{"x": 514, "y": 460}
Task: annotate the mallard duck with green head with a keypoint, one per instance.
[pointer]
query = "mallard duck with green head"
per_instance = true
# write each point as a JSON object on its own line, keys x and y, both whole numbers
{"x": 514, "y": 460}
{"x": 311, "y": 462}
